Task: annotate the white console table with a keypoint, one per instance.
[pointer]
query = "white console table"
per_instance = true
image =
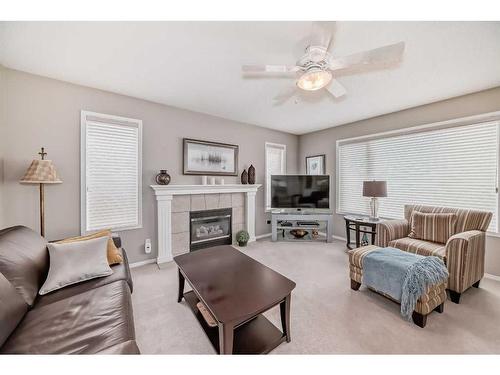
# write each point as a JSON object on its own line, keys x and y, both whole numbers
{"x": 320, "y": 216}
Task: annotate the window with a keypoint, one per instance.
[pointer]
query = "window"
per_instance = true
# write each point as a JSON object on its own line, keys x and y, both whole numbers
{"x": 111, "y": 187}
{"x": 453, "y": 166}
{"x": 275, "y": 164}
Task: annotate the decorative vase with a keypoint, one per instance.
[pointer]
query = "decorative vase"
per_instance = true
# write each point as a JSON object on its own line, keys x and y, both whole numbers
{"x": 242, "y": 243}
{"x": 244, "y": 177}
{"x": 163, "y": 178}
{"x": 251, "y": 175}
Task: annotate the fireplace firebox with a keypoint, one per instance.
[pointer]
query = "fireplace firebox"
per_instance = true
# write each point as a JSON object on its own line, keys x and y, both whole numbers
{"x": 210, "y": 228}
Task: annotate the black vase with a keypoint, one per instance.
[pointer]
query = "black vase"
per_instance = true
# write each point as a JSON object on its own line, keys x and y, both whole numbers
{"x": 244, "y": 177}
{"x": 251, "y": 175}
{"x": 163, "y": 178}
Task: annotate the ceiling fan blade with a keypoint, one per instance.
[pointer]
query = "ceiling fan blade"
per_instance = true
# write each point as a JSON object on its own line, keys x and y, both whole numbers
{"x": 336, "y": 89}
{"x": 378, "y": 57}
{"x": 270, "y": 68}
{"x": 322, "y": 33}
{"x": 285, "y": 96}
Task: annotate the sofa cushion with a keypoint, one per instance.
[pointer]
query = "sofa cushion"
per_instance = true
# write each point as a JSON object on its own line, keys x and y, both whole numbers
{"x": 114, "y": 256}
{"x": 75, "y": 262}
{"x": 466, "y": 219}
{"x": 12, "y": 308}
{"x": 86, "y": 323}
{"x": 120, "y": 272}
{"x": 420, "y": 247}
{"x": 432, "y": 227}
{"x": 24, "y": 260}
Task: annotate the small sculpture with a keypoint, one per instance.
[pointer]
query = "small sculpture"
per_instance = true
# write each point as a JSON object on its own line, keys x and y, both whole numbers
{"x": 244, "y": 177}
{"x": 251, "y": 174}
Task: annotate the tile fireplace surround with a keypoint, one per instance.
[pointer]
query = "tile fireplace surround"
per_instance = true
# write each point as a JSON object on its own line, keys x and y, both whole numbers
{"x": 174, "y": 202}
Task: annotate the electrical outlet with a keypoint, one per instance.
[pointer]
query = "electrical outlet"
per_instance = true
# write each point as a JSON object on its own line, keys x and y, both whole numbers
{"x": 147, "y": 246}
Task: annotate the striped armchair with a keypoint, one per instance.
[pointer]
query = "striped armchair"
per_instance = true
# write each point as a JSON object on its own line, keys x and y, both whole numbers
{"x": 463, "y": 253}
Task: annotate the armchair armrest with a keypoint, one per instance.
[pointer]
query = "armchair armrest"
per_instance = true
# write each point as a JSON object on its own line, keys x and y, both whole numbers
{"x": 391, "y": 230}
{"x": 465, "y": 259}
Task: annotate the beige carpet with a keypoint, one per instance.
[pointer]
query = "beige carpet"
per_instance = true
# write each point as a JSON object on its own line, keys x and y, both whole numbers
{"x": 327, "y": 317}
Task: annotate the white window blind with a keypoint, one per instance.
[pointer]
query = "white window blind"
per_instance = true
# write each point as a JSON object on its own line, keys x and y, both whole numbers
{"x": 111, "y": 172}
{"x": 275, "y": 164}
{"x": 455, "y": 167}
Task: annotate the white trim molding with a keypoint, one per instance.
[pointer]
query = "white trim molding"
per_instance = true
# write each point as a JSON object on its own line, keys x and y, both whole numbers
{"x": 142, "y": 263}
{"x": 164, "y": 195}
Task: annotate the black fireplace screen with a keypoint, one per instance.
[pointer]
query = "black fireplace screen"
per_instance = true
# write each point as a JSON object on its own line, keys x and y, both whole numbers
{"x": 210, "y": 228}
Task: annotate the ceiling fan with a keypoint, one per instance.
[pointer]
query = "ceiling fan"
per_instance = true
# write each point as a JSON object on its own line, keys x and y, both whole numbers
{"x": 318, "y": 69}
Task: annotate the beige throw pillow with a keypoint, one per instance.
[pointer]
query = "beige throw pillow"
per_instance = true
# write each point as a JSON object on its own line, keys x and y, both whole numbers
{"x": 72, "y": 263}
{"x": 434, "y": 227}
{"x": 114, "y": 256}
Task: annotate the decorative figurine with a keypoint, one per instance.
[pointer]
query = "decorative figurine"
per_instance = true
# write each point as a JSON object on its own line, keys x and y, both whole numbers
{"x": 244, "y": 177}
{"x": 251, "y": 175}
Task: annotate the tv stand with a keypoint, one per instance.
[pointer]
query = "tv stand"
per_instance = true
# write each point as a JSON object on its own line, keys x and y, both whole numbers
{"x": 314, "y": 222}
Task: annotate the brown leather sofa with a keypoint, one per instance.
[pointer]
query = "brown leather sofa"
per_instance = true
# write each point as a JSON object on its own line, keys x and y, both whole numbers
{"x": 91, "y": 317}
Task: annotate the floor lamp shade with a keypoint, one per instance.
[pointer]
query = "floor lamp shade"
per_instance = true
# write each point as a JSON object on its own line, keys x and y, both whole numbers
{"x": 41, "y": 172}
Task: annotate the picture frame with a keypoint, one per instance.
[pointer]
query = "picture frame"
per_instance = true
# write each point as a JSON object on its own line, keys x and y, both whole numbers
{"x": 316, "y": 164}
{"x": 209, "y": 158}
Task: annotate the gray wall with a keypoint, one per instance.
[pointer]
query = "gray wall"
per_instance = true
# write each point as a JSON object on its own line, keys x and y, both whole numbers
{"x": 324, "y": 142}
{"x": 44, "y": 112}
{"x": 2, "y": 145}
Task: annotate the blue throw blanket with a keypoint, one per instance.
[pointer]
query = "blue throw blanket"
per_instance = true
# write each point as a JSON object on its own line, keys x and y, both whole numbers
{"x": 401, "y": 275}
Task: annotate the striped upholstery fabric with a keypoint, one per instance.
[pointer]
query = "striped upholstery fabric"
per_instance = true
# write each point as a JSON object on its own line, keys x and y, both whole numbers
{"x": 420, "y": 247}
{"x": 432, "y": 227}
{"x": 466, "y": 219}
{"x": 434, "y": 296}
{"x": 463, "y": 252}
{"x": 389, "y": 230}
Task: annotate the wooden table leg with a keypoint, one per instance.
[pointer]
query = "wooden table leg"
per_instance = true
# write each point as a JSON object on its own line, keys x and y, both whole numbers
{"x": 285, "y": 317}
{"x": 226, "y": 334}
{"x": 181, "y": 286}
{"x": 357, "y": 235}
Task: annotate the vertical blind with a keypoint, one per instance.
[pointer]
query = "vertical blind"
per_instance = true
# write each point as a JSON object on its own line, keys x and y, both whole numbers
{"x": 112, "y": 163}
{"x": 275, "y": 164}
{"x": 455, "y": 167}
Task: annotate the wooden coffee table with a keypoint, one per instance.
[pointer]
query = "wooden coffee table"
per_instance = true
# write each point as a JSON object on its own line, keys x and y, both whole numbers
{"x": 236, "y": 289}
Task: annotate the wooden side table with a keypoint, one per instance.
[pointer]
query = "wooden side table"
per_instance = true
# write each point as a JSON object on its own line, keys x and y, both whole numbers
{"x": 359, "y": 224}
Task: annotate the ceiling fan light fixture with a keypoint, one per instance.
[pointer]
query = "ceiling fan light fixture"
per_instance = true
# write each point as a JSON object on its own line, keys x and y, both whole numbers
{"x": 314, "y": 79}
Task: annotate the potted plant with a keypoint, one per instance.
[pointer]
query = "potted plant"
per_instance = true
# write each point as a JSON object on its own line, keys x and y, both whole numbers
{"x": 242, "y": 237}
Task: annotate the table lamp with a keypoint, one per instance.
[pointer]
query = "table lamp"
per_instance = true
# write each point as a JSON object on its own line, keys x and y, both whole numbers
{"x": 374, "y": 190}
{"x": 41, "y": 172}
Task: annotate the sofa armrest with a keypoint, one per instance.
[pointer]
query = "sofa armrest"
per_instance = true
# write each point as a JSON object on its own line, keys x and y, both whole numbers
{"x": 465, "y": 259}
{"x": 391, "y": 230}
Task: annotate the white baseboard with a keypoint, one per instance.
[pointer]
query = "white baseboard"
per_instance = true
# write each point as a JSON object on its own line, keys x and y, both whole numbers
{"x": 142, "y": 263}
{"x": 339, "y": 238}
{"x": 260, "y": 236}
{"x": 492, "y": 277}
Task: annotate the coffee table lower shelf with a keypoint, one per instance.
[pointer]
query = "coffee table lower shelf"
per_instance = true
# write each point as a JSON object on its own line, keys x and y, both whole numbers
{"x": 257, "y": 336}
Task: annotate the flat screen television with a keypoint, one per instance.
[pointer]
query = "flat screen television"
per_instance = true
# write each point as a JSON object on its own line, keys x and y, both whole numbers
{"x": 300, "y": 191}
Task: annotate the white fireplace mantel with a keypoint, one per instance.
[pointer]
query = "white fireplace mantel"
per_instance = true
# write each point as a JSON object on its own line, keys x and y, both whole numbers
{"x": 165, "y": 193}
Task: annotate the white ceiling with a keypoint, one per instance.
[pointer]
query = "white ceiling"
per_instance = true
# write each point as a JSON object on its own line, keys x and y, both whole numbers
{"x": 196, "y": 65}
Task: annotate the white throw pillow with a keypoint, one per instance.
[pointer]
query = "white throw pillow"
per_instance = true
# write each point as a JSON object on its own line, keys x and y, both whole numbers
{"x": 74, "y": 262}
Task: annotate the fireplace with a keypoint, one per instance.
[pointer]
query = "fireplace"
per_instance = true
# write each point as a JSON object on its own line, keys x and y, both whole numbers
{"x": 209, "y": 228}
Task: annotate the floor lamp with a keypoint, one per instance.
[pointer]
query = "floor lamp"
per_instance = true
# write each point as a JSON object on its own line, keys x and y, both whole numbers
{"x": 41, "y": 172}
